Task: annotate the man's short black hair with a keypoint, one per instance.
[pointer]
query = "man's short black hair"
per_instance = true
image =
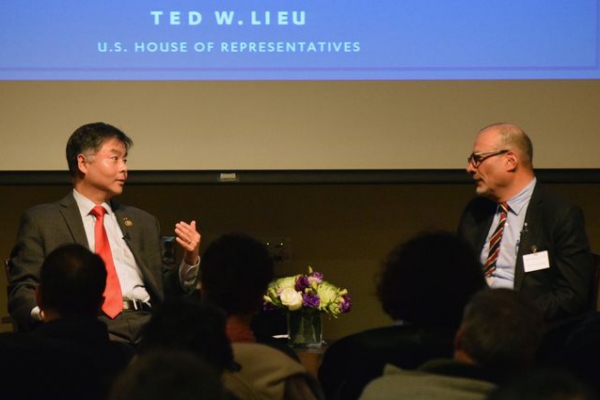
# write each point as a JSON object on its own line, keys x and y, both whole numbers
{"x": 429, "y": 279}
{"x": 173, "y": 375}
{"x": 72, "y": 281}
{"x": 236, "y": 271}
{"x": 181, "y": 324}
{"x": 90, "y": 137}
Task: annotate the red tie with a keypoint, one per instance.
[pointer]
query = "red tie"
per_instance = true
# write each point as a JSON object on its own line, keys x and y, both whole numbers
{"x": 490, "y": 264}
{"x": 113, "y": 298}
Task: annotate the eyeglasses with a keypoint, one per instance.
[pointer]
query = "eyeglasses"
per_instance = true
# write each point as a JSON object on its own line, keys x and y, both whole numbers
{"x": 476, "y": 158}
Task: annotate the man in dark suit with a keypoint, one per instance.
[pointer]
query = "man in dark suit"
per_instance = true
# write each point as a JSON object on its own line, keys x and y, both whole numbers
{"x": 97, "y": 156}
{"x": 530, "y": 240}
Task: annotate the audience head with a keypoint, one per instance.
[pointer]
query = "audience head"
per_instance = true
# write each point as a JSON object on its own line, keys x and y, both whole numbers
{"x": 185, "y": 325}
{"x": 236, "y": 271}
{"x": 543, "y": 384}
{"x": 72, "y": 282}
{"x": 88, "y": 139}
{"x": 501, "y": 331}
{"x": 168, "y": 375}
{"x": 428, "y": 280}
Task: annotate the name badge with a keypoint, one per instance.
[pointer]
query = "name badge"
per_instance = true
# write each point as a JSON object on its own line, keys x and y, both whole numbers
{"x": 536, "y": 261}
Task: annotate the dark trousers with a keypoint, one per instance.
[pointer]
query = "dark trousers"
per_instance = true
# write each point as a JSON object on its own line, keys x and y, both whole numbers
{"x": 127, "y": 327}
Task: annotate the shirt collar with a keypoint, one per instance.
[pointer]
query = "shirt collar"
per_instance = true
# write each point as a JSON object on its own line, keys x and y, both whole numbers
{"x": 85, "y": 205}
{"x": 517, "y": 203}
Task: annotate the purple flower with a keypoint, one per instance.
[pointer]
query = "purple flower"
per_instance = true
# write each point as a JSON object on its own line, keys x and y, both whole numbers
{"x": 302, "y": 283}
{"x": 310, "y": 300}
{"x": 346, "y": 304}
{"x": 316, "y": 277}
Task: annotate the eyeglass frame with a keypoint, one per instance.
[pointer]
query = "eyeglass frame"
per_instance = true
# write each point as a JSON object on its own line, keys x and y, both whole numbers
{"x": 475, "y": 158}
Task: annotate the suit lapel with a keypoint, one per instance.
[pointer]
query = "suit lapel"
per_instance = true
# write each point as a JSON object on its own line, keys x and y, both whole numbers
{"x": 530, "y": 235}
{"x": 72, "y": 217}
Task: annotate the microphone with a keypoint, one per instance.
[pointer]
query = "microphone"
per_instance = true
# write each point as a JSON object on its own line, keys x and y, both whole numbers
{"x": 523, "y": 232}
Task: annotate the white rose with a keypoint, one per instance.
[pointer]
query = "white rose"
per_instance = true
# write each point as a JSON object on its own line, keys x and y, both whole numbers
{"x": 291, "y": 299}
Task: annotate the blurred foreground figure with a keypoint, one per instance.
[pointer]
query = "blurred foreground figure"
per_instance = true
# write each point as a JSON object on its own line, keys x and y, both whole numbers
{"x": 497, "y": 339}
{"x": 424, "y": 286}
{"x": 69, "y": 356}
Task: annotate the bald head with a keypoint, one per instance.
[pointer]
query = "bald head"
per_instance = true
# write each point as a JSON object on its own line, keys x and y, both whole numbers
{"x": 513, "y": 138}
{"x": 501, "y": 162}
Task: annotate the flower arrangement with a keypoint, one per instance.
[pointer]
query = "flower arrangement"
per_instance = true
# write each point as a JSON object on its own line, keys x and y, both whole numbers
{"x": 307, "y": 292}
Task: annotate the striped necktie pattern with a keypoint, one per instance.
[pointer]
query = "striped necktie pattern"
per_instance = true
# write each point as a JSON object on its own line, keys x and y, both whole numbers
{"x": 495, "y": 240}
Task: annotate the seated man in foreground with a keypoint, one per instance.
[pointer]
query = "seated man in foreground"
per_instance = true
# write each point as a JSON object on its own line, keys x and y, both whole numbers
{"x": 424, "y": 286}
{"x": 498, "y": 338}
{"x": 236, "y": 271}
{"x": 69, "y": 356}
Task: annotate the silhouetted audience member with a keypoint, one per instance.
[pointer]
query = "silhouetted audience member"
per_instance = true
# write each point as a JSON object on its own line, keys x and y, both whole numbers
{"x": 168, "y": 375}
{"x": 580, "y": 354}
{"x": 70, "y": 355}
{"x": 423, "y": 286}
{"x": 497, "y": 339}
{"x": 236, "y": 271}
{"x": 543, "y": 384}
{"x": 196, "y": 328}
{"x": 185, "y": 325}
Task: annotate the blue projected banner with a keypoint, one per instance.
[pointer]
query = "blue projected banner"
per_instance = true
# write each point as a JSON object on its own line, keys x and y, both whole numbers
{"x": 298, "y": 39}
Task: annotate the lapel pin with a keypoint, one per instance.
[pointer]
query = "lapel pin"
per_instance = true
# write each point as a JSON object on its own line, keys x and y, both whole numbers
{"x": 127, "y": 222}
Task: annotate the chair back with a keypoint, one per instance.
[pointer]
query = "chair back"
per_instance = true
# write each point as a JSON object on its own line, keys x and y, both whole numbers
{"x": 595, "y": 291}
{"x": 8, "y": 319}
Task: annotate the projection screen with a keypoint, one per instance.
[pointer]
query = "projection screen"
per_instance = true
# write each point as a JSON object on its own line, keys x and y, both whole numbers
{"x": 299, "y": 84}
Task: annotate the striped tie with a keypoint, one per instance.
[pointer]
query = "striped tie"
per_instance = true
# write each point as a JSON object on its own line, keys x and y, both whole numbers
{"x": 490, "y": 264}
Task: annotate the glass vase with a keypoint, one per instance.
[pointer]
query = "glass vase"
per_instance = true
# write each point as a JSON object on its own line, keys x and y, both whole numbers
{"x": 305, "y": 329}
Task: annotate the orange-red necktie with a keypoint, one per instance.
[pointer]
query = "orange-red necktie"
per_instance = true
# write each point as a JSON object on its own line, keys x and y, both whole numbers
{"x": 113, "y": 298}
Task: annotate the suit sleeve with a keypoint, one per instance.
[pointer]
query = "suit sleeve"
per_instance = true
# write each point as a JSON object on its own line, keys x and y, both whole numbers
{"x": 25, "y": 262}
{"x": 167, "y": 278}
{"x": 572, "y": 266}
{"x": 171, "y": 281}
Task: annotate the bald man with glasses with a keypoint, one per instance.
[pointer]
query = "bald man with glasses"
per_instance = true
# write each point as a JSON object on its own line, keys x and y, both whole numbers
{"x": 529, "y": 239}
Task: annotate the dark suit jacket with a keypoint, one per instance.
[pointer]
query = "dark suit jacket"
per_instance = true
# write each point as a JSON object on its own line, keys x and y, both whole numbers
{"x": 45, "y": 227}
{"x": 555, "y": 225}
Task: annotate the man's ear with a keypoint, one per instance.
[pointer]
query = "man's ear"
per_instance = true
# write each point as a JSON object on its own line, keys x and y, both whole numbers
{"x": 512, "y": 161}
{"x": 81, "y": 164}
